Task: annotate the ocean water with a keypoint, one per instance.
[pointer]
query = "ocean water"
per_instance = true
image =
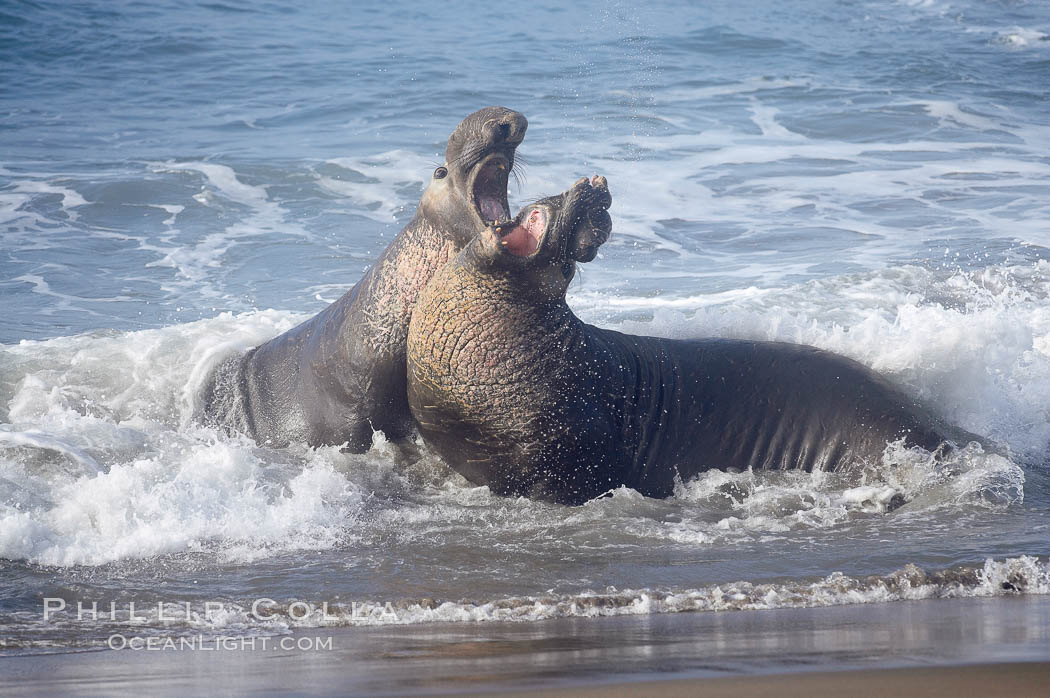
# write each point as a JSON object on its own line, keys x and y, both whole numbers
{"x": 183, "y": 180}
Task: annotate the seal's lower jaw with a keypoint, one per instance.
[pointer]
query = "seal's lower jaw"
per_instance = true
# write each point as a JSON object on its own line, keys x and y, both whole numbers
{"x": 587, "y": 254}
{"x": 524, "y": 239}
{"x": 488, "y": 189}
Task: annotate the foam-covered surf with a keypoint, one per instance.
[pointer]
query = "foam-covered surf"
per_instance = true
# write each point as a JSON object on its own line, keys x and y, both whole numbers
{"x": 171, "y": 625}
{"x": 102, "y": 460}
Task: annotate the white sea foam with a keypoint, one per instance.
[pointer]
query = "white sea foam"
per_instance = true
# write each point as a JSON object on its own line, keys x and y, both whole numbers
{"x": 748, "y": 87}
{"x": 36, "y": 439}
{"x": 950, "y": 111}
{"x": 100, "y": 459}
{"x": 378, "y": 180}
{"x": 1004, "y": 577}
{"x": 1023, "y": 574}
{"x": 70, "y": 198}
{"x": 202, "y": 493}
{"x": 134, "y": 477}
{"x": 173, "y": 209}
{"x": 265, "y": 217}
{"x": 751, "y": 503}
{"x": 765, "y": 117}
{"x": 1020, "y": 37}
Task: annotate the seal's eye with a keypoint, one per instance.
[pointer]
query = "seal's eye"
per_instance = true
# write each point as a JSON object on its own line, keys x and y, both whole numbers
{"x": 440, "y": 173}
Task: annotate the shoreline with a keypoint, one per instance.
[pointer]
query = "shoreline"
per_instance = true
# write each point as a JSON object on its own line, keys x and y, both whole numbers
{"x": 916, "y": 645}
{"x": 1005, "y": 678}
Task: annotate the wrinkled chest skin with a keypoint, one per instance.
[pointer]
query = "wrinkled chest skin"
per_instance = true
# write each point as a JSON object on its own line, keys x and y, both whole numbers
{"x": 529, "y": 400}
{"x": 340, "y": 376}
{"x": 483, "y": 370}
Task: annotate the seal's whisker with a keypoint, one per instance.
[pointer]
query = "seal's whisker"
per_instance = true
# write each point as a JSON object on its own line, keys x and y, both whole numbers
{"x": 470, "y": 154}
{"x": 518, "y": 173}
{"x": 454, "y": 162}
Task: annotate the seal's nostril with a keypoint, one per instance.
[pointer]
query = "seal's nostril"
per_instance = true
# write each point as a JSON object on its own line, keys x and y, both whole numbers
{"x": 512, "y": 128}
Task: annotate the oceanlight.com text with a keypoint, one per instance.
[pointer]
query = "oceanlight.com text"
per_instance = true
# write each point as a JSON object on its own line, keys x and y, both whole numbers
{"x": 200, "y": 643}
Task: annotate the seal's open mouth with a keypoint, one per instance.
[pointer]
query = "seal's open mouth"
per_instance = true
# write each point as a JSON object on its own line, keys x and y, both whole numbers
{"x": 490, "y": 189}
{"x": 523, "y": 240}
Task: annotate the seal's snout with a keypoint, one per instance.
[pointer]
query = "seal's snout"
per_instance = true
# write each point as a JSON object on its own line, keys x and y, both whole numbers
{"x": 593, "y": 223}
{"x": 479, "y": 159}
{"x": 514, "y": 128}
{"x": 509, "y": 128}
{"x": 496, "y": 133}
{"x": 563, "y": 229}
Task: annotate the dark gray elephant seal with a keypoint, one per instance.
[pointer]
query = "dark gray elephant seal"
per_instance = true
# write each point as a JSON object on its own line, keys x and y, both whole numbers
{"x": 515, "y": 392}
{"x": 340, "y": 376}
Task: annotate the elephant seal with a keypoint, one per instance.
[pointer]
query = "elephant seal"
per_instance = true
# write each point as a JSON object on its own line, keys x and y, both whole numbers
{"x": 340, "y": 376}
{"x": 517, "y": 393}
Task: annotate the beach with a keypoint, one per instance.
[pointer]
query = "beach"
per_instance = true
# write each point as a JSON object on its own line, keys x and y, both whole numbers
{"x": 908, "y": 648}
{"x": 979, "y": 679}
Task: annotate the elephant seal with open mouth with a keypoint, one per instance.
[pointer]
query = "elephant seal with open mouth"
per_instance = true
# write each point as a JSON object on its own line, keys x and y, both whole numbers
{"x": 340, "y": 376}
{"x": 517, "y": 393}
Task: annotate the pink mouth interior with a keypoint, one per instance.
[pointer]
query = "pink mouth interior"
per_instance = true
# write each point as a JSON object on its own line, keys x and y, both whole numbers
{"x": 488, "y": 194}
{"x": 524, "y": 239}
{"x": 491, "y": 208}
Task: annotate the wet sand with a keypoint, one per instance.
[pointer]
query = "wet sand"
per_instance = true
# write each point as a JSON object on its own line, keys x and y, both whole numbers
{"x": 995, "y": 646}
{"x": 949, "y": 682}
